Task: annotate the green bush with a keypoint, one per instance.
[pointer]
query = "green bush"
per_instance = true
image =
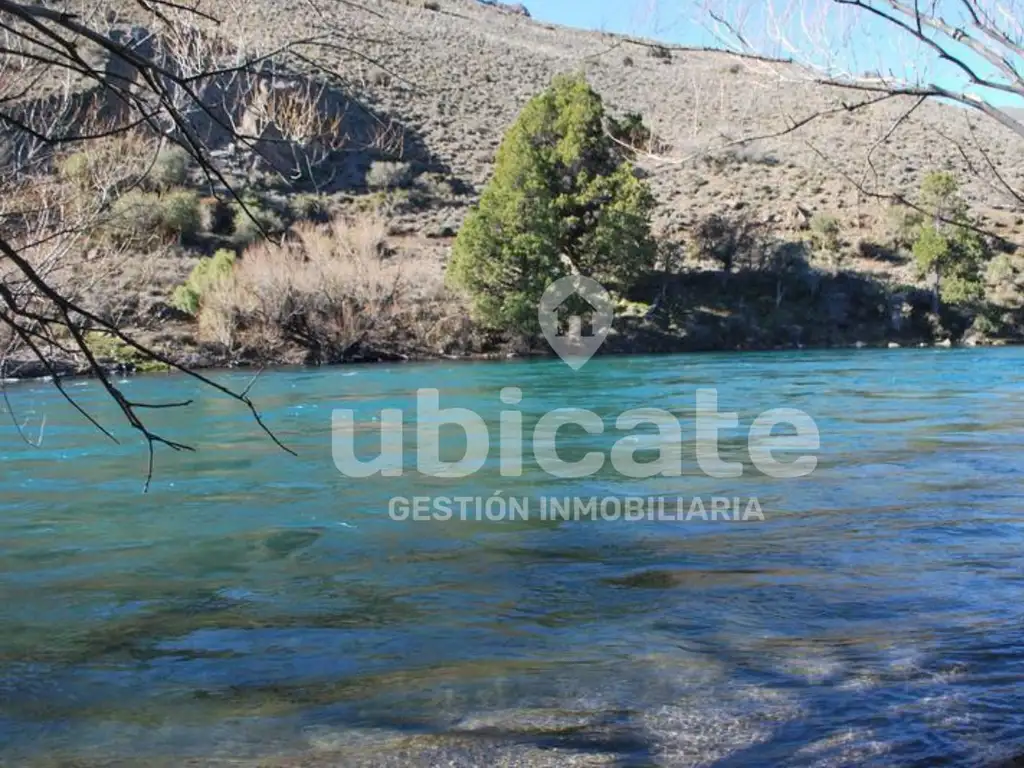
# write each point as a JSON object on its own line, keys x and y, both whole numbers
{"x": 1002, "y": 269}
{"x": 181, "y": 213}
{"x": 902, "y": 225}
{"x": 954, "y": 260}
{"x": 134, "y": 216}
{"x": 77, "y": 169}
{"x": 308, "y": 207}
{"x": 171, "y": 166}
{"x": 825, "y": 240}
{"x": 252, "y": 225}
{"x": 562, "y": 199}
{"x": 139, "y": 216}
{"x": 208, "y": 271}
{"x": 947, "y": 250}
{"x": 985, "y": 326}
{"x": 107, "y": 348}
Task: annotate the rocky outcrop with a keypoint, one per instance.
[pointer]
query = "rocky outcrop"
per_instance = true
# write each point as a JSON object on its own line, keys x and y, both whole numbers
{"x": 517, "y": 9}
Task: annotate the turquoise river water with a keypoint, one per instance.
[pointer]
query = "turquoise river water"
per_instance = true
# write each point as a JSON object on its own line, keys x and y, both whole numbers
{"x": 256, "y": 605}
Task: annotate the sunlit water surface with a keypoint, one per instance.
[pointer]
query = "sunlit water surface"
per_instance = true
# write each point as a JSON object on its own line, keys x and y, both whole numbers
{"x": 253, "y": 604}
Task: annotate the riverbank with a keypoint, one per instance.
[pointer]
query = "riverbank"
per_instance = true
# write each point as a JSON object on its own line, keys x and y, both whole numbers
{"x": 636, "y": 339}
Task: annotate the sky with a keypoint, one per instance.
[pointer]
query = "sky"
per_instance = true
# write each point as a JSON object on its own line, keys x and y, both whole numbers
{"x": 876, "y": 44}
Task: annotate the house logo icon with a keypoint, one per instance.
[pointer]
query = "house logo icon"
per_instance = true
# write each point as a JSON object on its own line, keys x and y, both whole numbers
{"x": 575, "y": 328}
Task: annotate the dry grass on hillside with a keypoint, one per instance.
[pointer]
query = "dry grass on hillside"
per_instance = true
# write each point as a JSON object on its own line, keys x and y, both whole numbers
{"x": 458, "y": 76}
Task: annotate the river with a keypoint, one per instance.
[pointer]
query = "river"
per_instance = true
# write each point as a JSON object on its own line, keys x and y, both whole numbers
{"x": 258, "y": 606}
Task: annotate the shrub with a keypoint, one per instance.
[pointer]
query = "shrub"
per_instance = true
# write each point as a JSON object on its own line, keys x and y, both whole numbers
{"x": 308, "y": 207}
{"x": 171, "y": 166}
{"x": 728, "y": 240}
{"x": 254, "y": 222}
{"x": 135, "y": 216}
{"x": 631, "y": 131}
{"x": 180, "y": 214}
{"x": 659, "y": 52}
{"x": 107, "y": 348}
{"x": 76, "y": 169}
{"x": 627, "y": 61}
{"x": 139, "y": 216}
{"x": 108, "y": 164}
{"x": 946, "y": 250}
{"x": 388, "y": 175}
{"x": 561, "y": 199}
{"x": 1005, "y": 279}
{"x": 825, "y": 241}
{"x": 216, "y": 216}
{"x": 953, "y": 260}
{"x": 437, "y": 186}
{"x": 431, "y": 5}
{"x": 985, "y": 326}
{"x": 205, "y": 273}
{"x": 1001, "y": 270}
{"x": 327, "y": 288}
{"x": 902, "y": 225}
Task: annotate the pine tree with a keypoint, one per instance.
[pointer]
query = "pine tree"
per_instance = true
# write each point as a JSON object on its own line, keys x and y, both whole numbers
{"x": 563, "y": 199}
{"x": 946, "y": 249}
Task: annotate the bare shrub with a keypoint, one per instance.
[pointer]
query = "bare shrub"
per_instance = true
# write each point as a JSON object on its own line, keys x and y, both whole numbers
{"x": 729, "y": 240}
{"x": 102, "y": 169}
{"x": 301, "y": 115}
{"x": 51, "y": 227}
{"x": 330, "y": 289}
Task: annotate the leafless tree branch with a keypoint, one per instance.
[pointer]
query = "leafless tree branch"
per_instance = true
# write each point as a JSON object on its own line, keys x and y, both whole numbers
{"x": 54, "y": 96}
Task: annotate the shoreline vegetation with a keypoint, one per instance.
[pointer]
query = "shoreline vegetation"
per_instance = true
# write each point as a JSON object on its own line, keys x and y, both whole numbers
{"x": 616, "y": 347}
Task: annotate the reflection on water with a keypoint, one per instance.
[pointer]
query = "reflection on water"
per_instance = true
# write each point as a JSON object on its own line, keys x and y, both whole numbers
{"x": 254, "y": 606}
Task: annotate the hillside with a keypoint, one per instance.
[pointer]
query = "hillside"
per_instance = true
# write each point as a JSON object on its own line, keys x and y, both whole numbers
{"x": 462, "y": 74}
{"x": 432, "y": 87}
